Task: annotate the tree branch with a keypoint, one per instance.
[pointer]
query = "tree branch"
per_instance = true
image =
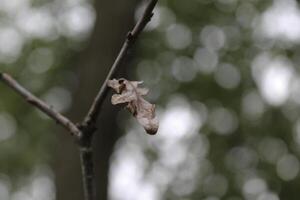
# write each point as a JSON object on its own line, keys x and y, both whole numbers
{"x": 88, "y": 125}
{"x": 132, "y": 36}
{"x": 48, "y": 110}
{"x": 87, "y": 167}
{"x": 84, "y": 132}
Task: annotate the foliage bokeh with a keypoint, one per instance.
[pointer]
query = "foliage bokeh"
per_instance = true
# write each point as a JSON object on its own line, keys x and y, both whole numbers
{"x": 224, "y": 77}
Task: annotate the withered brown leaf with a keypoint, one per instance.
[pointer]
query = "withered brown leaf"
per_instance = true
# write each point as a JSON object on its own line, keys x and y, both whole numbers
{"x": 129, "y": 93}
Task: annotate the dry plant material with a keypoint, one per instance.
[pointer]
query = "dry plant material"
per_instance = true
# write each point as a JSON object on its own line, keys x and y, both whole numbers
{"x": 129, "y": 93}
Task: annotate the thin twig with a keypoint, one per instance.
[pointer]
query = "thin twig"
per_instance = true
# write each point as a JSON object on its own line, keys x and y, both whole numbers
{"x": 30, "y": 98}
{"x": 132, "y": 36}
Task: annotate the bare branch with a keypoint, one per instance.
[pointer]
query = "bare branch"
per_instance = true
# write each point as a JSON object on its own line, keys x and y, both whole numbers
{"x": 85, "y": 130}
{"x": 30, "y": 98}
{"x": 88, "y": 124}
{"x": 132, "y": 36}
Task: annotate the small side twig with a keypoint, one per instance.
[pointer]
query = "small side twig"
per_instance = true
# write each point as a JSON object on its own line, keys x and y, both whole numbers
{"x": 132, "y": 36}
{"x": 30, "y": 98}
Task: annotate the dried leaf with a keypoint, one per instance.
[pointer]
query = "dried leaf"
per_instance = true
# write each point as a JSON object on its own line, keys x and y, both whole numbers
{"x": 129, "y": 93}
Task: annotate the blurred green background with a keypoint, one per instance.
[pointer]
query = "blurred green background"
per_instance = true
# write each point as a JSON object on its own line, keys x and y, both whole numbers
{"x": 222, "y": 73}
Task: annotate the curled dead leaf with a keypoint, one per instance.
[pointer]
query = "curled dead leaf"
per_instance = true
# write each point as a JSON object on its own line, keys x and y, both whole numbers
{"x": 130, "y": 94}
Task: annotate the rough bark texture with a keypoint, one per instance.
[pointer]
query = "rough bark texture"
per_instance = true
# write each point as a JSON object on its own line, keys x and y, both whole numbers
{"x": 114, "y": 20}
